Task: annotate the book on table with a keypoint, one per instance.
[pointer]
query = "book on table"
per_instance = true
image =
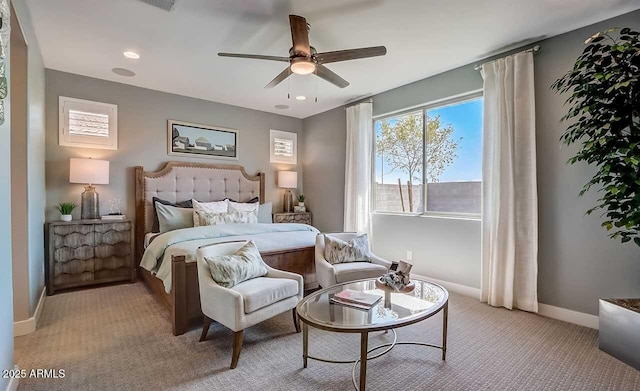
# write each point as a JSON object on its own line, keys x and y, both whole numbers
{"x": 114, "y": 217}
{"x": 356, "y": 299}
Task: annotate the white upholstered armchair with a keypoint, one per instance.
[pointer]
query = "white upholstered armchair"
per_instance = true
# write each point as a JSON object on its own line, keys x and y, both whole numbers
{"x": 329, "y": 275}
{"x": 247, "y": 303}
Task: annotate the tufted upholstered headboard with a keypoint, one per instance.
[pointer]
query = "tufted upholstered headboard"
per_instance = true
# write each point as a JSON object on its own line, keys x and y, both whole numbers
{"x": 181, "y": 181}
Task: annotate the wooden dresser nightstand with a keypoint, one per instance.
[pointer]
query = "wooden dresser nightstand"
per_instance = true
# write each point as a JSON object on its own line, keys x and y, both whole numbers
{"x": 293, "y": 217}
{"x": 88, "y": 252}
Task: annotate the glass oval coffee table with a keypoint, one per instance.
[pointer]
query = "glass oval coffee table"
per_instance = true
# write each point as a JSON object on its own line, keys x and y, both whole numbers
{"x": 394, "y": 310}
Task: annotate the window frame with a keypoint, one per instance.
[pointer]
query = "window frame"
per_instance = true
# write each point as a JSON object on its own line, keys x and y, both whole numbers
{"x": 423, "y": 108}
{"x": 65, "y": 139}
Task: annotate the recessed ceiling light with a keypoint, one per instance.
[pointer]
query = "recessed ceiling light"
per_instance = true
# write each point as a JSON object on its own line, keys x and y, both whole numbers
{"x": 123, "y": 72}
{"x": 131, "y": 55}
{"x": 281, "y": 107}
{"x": 301, "y": 97}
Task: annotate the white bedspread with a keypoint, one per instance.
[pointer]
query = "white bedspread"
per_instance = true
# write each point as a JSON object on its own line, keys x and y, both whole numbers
{"x": 267, "y": 237}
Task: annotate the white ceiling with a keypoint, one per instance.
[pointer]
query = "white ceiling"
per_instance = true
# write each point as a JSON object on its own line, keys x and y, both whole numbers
{"x": 179, "y": 49}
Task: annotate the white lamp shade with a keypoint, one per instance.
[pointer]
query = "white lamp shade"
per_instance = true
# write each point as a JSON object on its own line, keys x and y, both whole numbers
{"x": 287, "y": 179}
{"x": 89, "y": 171}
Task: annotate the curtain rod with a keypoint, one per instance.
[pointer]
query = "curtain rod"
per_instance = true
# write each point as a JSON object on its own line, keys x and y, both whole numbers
{"x": 366, "y": 100}
{"x": 532, "y": 50}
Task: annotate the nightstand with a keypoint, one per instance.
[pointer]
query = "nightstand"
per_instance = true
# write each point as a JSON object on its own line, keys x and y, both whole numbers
{"x": 88, "y": 252}
{"x": 293, "y": 217}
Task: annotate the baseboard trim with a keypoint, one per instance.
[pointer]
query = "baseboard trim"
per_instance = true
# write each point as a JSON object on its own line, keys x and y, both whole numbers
{"x": 28, "y": 326}
{"x": 575, "y": 317}
{"x": 549, "y": 311}
{"x": 14, "y": 381}
{"x": 454, "y": 287}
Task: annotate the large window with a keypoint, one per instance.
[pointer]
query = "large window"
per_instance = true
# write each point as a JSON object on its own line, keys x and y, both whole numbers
{"x": 430, "y": 157}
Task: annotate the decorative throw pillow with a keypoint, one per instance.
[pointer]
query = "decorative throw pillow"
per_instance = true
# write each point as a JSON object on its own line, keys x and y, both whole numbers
{"x": 251, "y": 201}
{"x": 265, "y": 213}
{"x": 171, "y": 218}
{"x": 243, "y": 206}
{"x": 209, "y": 207}
{"x": 156, "y": 224}
{"x": 339, "y": 251}
{"x": 206, "y": 218}
{"x": 243, "y": 265}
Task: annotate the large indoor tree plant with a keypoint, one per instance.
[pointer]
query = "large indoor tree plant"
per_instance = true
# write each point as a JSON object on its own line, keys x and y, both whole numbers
{"x": 604, "y": 117}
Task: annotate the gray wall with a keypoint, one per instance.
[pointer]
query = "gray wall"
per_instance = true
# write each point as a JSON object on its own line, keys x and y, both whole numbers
{"x": 6, "y": 292}
{"x": 28, "y": 179}
{"x": 324, "y": 148}
{"x": 142, "y": 134}
{"x": 577, "y": 262}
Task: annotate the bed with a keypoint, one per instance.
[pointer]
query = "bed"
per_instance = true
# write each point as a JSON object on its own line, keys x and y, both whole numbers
{"x": 174, "y": 280}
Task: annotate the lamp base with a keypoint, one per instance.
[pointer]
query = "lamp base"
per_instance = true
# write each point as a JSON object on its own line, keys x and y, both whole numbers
{"x": 287, "y": 204}
{"x": 90, "y": 205}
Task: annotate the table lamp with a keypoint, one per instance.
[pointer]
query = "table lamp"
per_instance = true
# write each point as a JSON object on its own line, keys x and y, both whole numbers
{"x": 287, "y": 180}
{"x": 89, "y": 172}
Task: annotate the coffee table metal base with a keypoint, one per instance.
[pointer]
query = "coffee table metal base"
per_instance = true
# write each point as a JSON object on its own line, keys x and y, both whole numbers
{"x": 364, "y": 351}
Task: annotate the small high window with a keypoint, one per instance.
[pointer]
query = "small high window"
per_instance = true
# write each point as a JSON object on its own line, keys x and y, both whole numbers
{"x": 283, "y": 147}
{"x": 87, "y": 124}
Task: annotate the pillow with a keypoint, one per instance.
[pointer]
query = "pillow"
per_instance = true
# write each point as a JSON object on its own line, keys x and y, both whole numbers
{"x": 206, "y": 218}
{"x": 171, "y": 217}
{"x": 209, "y": 207}
{"x": 242, "y": 206}
{"x": 183, "y": 204}
{"x": 339, "y": 251}
{"x": 251, "y": 201}
{"x": 243, "y": 265}
{"x": 265, "y": 213}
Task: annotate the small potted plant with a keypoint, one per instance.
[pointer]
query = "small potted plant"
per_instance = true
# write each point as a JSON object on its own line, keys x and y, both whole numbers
{"x": 301, "y": 200}
{"x": 65, "y": 209}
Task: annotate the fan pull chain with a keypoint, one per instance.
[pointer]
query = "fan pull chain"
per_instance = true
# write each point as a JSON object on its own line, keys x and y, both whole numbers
{"x": 289, "y": 84}
{"x": 316, "y": 80}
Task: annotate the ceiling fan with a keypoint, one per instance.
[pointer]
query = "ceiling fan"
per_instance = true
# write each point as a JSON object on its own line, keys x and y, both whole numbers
{"x": 303, "y": 58}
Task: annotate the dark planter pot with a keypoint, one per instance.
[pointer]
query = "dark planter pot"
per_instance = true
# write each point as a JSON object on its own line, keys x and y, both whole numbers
{"x": 620, "y": 329}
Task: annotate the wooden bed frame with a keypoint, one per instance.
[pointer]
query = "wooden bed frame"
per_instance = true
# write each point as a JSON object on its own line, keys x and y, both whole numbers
{"x": 184, "y": 299}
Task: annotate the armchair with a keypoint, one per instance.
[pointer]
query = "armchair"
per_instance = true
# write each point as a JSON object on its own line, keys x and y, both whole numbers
{"x": 329, "y": 275}
{"x": 247, "y": 303}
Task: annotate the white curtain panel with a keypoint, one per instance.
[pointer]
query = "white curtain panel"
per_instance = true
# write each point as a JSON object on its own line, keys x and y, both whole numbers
{"x": 357, "y": 186}
{"x": 509, "y": 188}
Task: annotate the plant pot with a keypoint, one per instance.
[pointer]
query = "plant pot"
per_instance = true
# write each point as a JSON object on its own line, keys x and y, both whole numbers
{"x": 619, "y": 323}
{"x": 66, "y": 217}
{"x": 300, "y": 203}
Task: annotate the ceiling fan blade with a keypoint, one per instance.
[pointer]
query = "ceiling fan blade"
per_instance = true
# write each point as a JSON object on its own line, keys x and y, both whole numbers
{"x": 328, "y": 75}
{"x": 279, "y": 79}
{"x": 299, "y": 35}
{"x": 350, "y": 54}
{"x": 255, "y": 56}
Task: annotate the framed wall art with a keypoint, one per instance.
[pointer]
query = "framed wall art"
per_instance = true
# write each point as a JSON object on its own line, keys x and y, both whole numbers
{"x": 204, "y": 141}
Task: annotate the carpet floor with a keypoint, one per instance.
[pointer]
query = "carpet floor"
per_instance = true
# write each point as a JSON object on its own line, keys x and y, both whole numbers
{"x": 119, "y": 337}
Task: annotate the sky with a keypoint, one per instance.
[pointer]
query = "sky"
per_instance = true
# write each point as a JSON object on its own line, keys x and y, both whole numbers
{"x": 466, "y": 119}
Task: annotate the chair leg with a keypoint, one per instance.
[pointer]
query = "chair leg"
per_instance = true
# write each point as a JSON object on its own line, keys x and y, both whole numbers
{"x": 296, "y": 322}
{"x": 205, "y": 328}
{"x": 237, "y": 347}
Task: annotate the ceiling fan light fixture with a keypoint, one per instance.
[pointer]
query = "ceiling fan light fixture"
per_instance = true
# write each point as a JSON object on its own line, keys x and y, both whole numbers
{"x": 303, "y": 67}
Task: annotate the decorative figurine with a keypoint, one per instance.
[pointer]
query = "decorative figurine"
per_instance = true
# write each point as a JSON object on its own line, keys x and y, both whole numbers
{"x": 398, "y": 280}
